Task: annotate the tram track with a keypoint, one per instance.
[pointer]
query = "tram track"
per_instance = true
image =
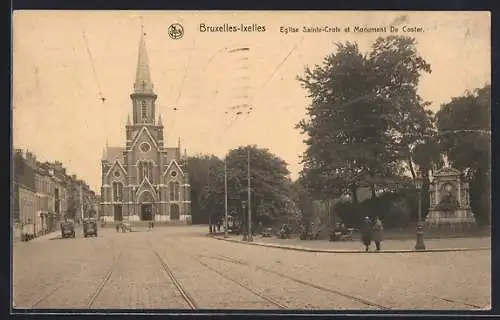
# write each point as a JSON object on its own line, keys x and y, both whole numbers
{"x": 244, "y": 286}
{"x": 90, "y": 301}
{"x": 319, "y": 287}
{"x": 49, "y": 294}
{"x": 299, "y": 281}
{"x": 358, "y": 299}
{"x": 178, "y": 285}
{"x": 463, "y": 303}
{"x": 103, "y": 282}
{"x": 232, "y": 260}
{"x": 261, "y": 295}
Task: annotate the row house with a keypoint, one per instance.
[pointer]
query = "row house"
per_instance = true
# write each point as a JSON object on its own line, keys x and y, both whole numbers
{"x": 81, "y": 200}
{"x": 23, "y": 194}
{"x": 43, "y": 194}
{"x": 57, "y": 193}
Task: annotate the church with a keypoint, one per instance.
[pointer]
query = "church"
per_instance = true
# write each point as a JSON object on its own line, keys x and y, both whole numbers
{"x": 144, "y": 181}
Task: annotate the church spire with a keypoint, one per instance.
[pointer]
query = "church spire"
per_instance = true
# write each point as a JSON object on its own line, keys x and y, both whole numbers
{"x": 160, "y": 121}
{"x": 142, "y": 75}
{"x": 128, "y": 120}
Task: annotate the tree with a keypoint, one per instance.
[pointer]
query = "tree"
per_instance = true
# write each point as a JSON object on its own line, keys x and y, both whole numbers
{"x": 270, "y": 184}
{"x": 364, "y": 114}
{"x": 304, "y": 203}
{"x": 464, "y": 127}
{"x": 199, "y": 168}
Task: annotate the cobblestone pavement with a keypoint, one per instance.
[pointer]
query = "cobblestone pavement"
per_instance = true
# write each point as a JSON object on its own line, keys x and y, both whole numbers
{"x": 179, "y": 267}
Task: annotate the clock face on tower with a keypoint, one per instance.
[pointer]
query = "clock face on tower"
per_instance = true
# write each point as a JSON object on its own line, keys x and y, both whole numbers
{"x": 145, "y": 147}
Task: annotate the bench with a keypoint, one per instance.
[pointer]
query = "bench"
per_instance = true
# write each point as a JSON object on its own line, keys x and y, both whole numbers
{"x": 267, "y": 232}
{"x": 341, "y": 235}
{"x": 309, "y": 235}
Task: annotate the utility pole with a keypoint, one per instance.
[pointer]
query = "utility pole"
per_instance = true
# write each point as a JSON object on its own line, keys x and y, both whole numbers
{"x": 81, "y": 203}
{"x": 225, "y": 197}
{"x": 250, "y": 238}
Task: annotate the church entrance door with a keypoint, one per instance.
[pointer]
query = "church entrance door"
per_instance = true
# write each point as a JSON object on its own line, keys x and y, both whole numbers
{"x": 118, "y": 212}
{"x": 147, "y": 212}
{"x": 174, "y": 212}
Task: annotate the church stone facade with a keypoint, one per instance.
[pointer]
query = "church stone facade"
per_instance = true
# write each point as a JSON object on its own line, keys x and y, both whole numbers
{"x": 144, "y": 181}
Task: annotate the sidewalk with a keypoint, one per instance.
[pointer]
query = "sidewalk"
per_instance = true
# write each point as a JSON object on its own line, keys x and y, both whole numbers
{"x": 355, "y": 246}
{"x": 46, "y": 236}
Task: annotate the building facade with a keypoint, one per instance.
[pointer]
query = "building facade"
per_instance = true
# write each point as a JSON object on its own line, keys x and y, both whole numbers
{"x": 144, "y": 180}
{"x": 41, "y": 194}
{"x": 44, "y": 197}
{"x": 23, "y": 196}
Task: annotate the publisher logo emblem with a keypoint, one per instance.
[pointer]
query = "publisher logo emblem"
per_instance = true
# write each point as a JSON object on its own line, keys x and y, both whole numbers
{"x": 175, "y": 31}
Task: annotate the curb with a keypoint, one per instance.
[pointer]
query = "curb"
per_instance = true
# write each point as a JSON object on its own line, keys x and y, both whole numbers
{"x": 48, "y": 236}
{"x": 294, "y": 248}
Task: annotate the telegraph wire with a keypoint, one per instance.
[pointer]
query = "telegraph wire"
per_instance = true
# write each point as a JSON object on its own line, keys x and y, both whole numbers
{"x": 248, "y": 105}
{"x": 276, "y": 69}
{"x": 103, "y": 99}
{"x": 96, "y": 79}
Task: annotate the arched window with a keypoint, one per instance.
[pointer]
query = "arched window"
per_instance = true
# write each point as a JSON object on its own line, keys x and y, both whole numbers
{"x": 177, "y": 191}
{"x": 145, "y": 170}
{"x": 150, "y": 172}
{"x": 144, "y": 110}
{"x": 171, "y": 188}
{"x": 117, "y": 192}
{"x": 187, "y": 196}
{"x": 141, "y": 176}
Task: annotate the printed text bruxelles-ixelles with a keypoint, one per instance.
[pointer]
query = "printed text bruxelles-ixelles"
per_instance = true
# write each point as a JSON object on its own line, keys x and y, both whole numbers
{"x": 227, "y": 27}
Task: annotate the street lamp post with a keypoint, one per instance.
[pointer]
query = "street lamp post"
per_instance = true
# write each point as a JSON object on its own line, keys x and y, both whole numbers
{"x": 250, "y": 238}
{"x": 225, "y": 197}
{"x": 420, "y": 245}
{"x": 243, "y": 206}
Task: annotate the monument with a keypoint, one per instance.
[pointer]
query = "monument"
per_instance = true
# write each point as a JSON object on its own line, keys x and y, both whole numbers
{"x": 449, "y": 200}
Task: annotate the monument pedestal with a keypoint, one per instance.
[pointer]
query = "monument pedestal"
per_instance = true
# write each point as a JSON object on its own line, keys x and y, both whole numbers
{"x": 449, "y": 202}
{"x": 457, "y": 220}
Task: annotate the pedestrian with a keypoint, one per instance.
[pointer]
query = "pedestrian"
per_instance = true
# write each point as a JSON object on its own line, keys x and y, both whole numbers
{"x": 218, "y": 225}
{"x": 117, "y": 227}
{"x": 378, "y": 228}
{"x": 366, "y": 233}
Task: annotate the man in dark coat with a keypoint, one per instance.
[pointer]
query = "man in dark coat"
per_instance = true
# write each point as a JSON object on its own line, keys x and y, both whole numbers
{"x": 366, "y": 233}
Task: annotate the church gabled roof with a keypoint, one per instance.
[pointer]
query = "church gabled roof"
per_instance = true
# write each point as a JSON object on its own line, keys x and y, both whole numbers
{"x": 173, "y": 153}
{"x": 138, "y": 135}
{"x": 113, "y": 153}
{"x": 116, "y": 164}
{"x": 175, "y": 164}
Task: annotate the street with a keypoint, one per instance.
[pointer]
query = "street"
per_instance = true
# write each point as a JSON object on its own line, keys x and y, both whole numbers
{"x": 180, "y": 268}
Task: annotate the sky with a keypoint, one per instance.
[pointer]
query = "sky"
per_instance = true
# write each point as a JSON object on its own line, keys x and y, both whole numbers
{"x": 65, "y": 62}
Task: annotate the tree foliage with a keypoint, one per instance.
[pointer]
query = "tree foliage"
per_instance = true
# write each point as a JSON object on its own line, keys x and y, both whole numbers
{"x": 199, "y": 168}
{"x": 365, "y": 115}
{"x": 464, "y": 125}
{"x": 271, "y": 197}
